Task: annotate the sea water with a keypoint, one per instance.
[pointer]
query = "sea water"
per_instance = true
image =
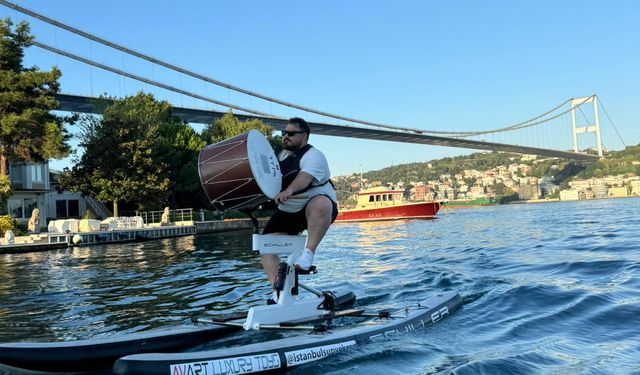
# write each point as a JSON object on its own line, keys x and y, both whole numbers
{"x": 548, "y": 288}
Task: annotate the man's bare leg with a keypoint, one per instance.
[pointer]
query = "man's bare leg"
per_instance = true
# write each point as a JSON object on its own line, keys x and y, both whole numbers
{"x": 270, "y": 264}
{"x": 318, "y": 213}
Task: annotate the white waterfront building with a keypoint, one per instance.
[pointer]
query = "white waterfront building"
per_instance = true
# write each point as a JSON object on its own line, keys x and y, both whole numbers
{"x": 33, "y": 188}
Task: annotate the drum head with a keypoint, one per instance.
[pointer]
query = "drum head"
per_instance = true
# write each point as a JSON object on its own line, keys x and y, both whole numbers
{"x": 264, "y": 164}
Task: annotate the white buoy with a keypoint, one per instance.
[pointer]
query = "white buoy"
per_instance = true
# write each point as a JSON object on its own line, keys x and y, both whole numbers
{"x": 77, "y": 239}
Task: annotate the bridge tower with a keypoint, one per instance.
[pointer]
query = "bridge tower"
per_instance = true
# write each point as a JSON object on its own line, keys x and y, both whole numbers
{"x": 594, "y": 128}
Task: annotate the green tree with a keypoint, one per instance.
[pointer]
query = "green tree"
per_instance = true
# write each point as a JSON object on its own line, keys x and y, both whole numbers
{"x": 180, "y": 145}
{"x": 499, "y": 188}
{"x": 228, "y": 126}
{"x": 29, "y": 131}
{"x": 470, "y": 181}
{"x": 121, "y": 160}
{"x": 567, "y": 172}
{"x": 6, "y": 191}
{"x": 509, "y": 196}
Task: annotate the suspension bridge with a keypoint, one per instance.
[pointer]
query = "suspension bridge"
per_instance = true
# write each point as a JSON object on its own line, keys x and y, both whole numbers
{"x": 84, "y": 104}
{"x": 527, "y": 137}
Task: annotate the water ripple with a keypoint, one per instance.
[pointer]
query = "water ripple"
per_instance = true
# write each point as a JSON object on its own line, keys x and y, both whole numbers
{"x": 549, "y": 288}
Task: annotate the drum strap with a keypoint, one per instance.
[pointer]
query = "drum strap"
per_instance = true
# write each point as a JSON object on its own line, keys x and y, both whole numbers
{"x": 290, "y": 167}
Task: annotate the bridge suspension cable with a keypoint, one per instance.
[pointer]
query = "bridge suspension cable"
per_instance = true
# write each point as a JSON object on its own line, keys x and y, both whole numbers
{"x": 214, "y": 81}
{"x": 198, "y": 75}
{"x": 611, "y": 121}
{"x": 456, "y": 134}
{"x": 528, "y": 123}
{"x": 518, "y": 126}
{"x": 145, "y": 80}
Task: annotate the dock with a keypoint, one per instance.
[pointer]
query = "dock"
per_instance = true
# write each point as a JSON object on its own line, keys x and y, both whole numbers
{"x": 52, "y": 241}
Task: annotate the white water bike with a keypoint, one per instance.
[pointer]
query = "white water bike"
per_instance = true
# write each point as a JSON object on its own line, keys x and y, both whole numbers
{"x": 313, "y": 315}
{"x": 290, "y": 307}
{"x": 237, "y": 173}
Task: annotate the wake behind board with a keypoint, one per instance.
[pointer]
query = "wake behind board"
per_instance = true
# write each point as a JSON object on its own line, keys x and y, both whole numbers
{"x": 100, "y": 354}
{"x": 293, "y": 351}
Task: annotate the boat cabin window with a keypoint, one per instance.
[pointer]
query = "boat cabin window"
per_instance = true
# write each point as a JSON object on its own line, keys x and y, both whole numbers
{"x": 384, "y": 198}
{"x": 390, "y": 197}
{"x": 371, "y": 198}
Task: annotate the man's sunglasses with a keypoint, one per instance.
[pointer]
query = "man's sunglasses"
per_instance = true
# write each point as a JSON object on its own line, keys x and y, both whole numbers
{"x": 291, "y": 133}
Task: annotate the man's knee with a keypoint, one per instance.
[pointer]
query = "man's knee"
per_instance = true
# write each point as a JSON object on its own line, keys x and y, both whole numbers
{"x": 320, "y": 206}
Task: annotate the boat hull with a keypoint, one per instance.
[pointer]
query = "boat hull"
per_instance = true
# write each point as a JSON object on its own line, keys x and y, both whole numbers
{"x": 93, "y": 355}
{"x": 422, "y": 210}
{"x": 100, "y": 354}
{"x": 277, "y": 355}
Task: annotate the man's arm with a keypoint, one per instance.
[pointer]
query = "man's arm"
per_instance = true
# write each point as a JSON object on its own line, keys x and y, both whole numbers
{"x": 301, "y": 181}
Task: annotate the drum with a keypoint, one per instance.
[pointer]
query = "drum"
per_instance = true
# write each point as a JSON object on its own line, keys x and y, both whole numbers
{"x": 240, "y": 172}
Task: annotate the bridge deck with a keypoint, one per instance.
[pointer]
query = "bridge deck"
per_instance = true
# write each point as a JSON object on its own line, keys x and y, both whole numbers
{"x": 83, "y": 104}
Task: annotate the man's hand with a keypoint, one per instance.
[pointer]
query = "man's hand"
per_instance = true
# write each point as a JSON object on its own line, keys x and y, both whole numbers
{"x": 300, "y": 183}
{"x": 283, "y": 196}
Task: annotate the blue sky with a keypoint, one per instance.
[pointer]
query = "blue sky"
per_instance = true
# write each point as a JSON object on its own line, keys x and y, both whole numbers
{"x": 436, "y": 65}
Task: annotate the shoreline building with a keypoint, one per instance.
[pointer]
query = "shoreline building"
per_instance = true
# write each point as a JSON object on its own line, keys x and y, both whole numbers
{"x": 30, "y": 184}
{"x": 35, "y": 186}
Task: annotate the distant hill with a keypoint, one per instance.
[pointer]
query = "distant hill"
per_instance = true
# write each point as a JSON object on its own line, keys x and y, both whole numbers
{"x": 562, "y": 170}
{"x": 618, "y": 162}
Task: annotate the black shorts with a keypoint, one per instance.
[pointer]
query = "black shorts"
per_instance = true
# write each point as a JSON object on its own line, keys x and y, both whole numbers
{"x": 293, "y": 222}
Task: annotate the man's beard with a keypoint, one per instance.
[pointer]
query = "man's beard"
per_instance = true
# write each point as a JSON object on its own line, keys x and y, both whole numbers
{"x": 289, "y": 147}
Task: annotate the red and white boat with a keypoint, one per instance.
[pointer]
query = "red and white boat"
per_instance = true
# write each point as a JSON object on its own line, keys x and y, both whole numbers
{"x": 381, "y": 203}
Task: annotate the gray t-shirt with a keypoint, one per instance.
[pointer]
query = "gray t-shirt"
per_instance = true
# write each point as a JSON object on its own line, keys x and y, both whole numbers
{"x": 314, "y": 163}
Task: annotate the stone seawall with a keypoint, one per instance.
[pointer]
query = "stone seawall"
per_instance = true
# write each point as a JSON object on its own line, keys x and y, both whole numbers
{"x": 51, "y": 241}
{"x": 227, "y": 225}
